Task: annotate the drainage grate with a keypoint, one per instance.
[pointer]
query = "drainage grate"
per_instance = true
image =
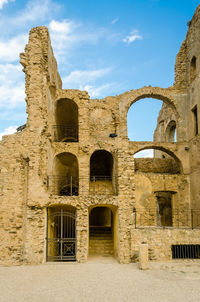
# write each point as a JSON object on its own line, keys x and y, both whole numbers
{"x": 186, "y": 251}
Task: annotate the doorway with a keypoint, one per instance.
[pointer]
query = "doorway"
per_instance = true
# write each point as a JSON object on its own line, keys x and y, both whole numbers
{"x": 61, "y": 234}
{"x": 102, "y": 234}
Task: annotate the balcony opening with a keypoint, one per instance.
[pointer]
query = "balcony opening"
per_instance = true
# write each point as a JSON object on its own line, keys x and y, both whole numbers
{"x": 66, "y": 128}
{"x": 65, "y": 180}
{"x": 101, "y": 173}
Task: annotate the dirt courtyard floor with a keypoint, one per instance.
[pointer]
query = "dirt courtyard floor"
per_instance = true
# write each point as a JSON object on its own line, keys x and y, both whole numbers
{"x": 101, "y": 280}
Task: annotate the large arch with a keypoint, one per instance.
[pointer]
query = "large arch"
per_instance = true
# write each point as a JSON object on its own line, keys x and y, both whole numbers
{"x": 163, "y": 149}
{"x": 127, "y": 99}
{"x": 161, "y": 94}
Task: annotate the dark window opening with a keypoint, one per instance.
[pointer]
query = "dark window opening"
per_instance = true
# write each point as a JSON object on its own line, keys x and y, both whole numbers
{"x": 186, "y": 251}
{"x": 101, "y": 164}
{"x": 66, "y": 128}
{"x": 193, "y": 69}
{"x": 171, "y": 132}
{"x": 164, "y": 208}
{"x": 195, "y": 116}
{"x": 101, "y": 173}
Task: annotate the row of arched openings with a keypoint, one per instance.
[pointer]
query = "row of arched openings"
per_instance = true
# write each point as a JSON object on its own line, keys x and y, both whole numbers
{"x": 65, "y": 180}
{"x": 141, "y": 121}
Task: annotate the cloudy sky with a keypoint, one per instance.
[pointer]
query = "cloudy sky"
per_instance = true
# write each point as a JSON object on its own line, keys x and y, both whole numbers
{"x": 106, "y": 47}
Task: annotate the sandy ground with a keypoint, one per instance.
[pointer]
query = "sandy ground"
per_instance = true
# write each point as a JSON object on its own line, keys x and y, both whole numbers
{"x": 101, "y": 280}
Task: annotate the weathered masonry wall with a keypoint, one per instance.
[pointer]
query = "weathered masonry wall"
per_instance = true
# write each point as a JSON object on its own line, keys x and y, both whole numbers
{"x": 160, "y": 241}
{"x": 75, "y": 153}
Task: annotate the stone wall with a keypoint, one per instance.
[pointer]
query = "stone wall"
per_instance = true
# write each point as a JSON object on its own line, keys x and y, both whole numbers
{"x": 157, "y": 165}
{"x": 160, "y": 241}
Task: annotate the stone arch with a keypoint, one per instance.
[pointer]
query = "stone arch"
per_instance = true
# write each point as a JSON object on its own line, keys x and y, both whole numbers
{"x": 162, "y": 149}
{"x": 130, "y": 98}
{"x": 151, "y": 92}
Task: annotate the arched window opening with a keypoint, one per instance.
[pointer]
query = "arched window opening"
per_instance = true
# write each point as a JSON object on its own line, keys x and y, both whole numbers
{"x": 195, "y": 120}
{"x": 171, "y": 132}
{"x": 66, "y": 129}
{"x": 65, "y": 180}
{"x": 142, "y": 119}
{"x": 101, "y": 173}
{"x": 156, "y": 161}
{"x": 193, "y": 69}
{"x": 164, "y": 208}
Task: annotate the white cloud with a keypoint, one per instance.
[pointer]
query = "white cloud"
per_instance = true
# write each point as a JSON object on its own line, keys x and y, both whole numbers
{"x": 85, "y": 79}
{"x": 133, "y": 36}
{"x": 12, "y": 87}
{"x": 2, "y": 2}
{"x": 35, "y": 13}
{"x": 144, "y": 153}
{"x": 12, "y": 96}
{"x": 64, "y": 27}
{"x": 66, "y": 35}
{"x": 11, "y": 115}
{"x": 79, "y": 78}
{"x": 37, "y": 10}
{"x": 114, "y": 20}
{"x": 9, "y": 130}
{"x": 10, "y": 49}
{"x": 94, "y": 91}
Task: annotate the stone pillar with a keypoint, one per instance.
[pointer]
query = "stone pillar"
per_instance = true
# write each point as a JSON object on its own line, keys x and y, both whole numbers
{"x": 143, "y": 256}
{"x": 82, "y": 235}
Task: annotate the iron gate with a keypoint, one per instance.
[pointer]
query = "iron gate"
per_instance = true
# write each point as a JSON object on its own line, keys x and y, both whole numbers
{"x": 61, "y": 234}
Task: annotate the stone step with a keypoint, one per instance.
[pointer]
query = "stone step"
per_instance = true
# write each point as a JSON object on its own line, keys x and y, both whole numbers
{"x": 100, "y": 237}
{"x": 101, "y": 245}
{"x": 100, "y": 242}
{"x": 100, "y": 234}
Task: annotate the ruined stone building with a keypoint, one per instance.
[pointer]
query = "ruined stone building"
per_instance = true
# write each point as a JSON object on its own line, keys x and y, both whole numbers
{"x": 69, "y": 183}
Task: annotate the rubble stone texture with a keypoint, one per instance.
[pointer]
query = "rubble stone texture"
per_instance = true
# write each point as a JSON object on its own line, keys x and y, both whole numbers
{"x": 137, "y": 192}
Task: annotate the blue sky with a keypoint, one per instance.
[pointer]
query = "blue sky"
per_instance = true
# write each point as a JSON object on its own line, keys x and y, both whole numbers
{"x": 106, "y": 47}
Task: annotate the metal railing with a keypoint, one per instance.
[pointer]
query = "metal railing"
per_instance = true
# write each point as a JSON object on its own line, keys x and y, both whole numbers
{"x": 74, "y": 186}
{"x": 65, "y": 133}
{"x": 175, "y": 218}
